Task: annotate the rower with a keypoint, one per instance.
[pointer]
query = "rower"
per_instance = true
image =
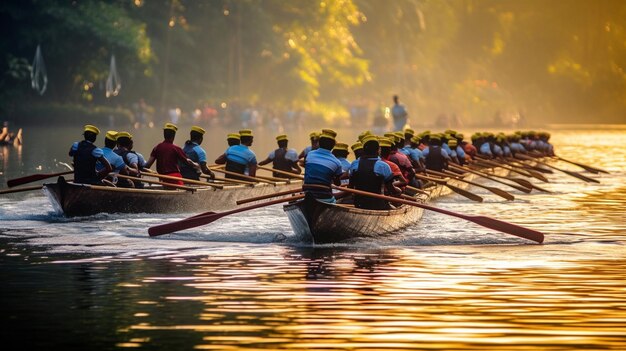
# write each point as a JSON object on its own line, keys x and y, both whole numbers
{"x": 167, "y": 155}
{"x": 86, "y": 155}
{"x": 485, "y": 145}
{"x": 400, "y": 159}
{"x": 410, "y": 149}
{"x": 454, "y": 157}
{"x": 357, "y": 149}
{"x": 134, "y": 161}
{"x": 469, "y": 150}
{"x": 322, "y": 168}
{"x": 340, "y": 151}
{"x": 239, "y": 158}
{"x": 369, "y": 173}
{"x": 232, "y": 139}
{"x": 436, "y": 157}
{"x": 116, "y": 161}
{"x": 196, "y": 153}
{"x": 315, "y": 144}
{"x": 283, "y": 159}
{"x": 385, "y": 150}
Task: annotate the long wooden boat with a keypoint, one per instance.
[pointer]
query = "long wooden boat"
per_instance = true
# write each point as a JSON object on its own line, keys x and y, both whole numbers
{"x": 331, "y": 223}
{"x": 73, "y": 199}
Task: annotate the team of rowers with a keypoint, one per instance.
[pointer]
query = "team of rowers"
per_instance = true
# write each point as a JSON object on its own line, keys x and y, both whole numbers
{"x": 386, "y": 164}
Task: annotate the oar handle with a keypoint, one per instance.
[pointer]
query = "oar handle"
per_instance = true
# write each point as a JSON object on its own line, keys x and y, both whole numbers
{"x": 156, "y": 182}
{"x": 292, "y": 175}
{"x": 184, "y": 180}
{"x": 243, "y": 176}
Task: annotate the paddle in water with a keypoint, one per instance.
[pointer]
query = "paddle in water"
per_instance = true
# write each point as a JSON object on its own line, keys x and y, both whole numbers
{"x": 209, "y": 217}
{"x": 487, "y": 222}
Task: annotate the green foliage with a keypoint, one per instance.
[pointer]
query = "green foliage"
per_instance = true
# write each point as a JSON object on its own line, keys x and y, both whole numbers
{"x": 471, "y": 57}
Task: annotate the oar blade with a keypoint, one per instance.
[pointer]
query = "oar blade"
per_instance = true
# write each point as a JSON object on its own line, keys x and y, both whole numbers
{"x": 581, "y": 177}
{"x": 501, "y": 193}
{"x": 508, "y": 228}
{"x": 465, "y": 193}
{"x": 183, "y": 224}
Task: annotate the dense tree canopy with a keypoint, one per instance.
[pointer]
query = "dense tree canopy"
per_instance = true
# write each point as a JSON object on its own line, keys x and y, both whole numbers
{"x": 560, "y": 59}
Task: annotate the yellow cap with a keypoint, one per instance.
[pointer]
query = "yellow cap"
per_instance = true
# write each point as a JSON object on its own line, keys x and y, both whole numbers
{"x": 233, "y": 136}
{"x": 92, "y": 128}
{"x": 198, "y": 129}
{"x": 415, "y": 139}
{"x": 341, "y": 146}
{"x": 460, "y": 136}
{"x": 281, "y": 137}
{"x": 452, "y": 143}
{"x": 124, "y": 135}
{"x": 364, "y": 134}
{"x": 434, "y": 137}
{"x": 170, "y": 126}
{"x": 314, "y": 135}
{"x": 245, "y": 132}
{"x": 328, "y": 134}
{"x": 368, "y": 138}
{"x": 399, "y": 136}
{"x": 111, "y": 135}
{"x": 409, "y": 131}
{"x": 385, "y": 142}
{"x": 392, "y": 137}
{"x": 356, "y": 146}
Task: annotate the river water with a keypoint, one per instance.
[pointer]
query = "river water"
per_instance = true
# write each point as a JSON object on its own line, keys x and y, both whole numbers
{"x": 246, "y": 282}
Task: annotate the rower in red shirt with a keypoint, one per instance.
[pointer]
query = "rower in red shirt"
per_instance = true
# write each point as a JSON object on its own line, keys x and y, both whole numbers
{"x": 167, "y": 155}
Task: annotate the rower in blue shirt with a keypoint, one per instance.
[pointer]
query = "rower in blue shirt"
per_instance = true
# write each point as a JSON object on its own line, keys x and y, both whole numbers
{"x": 116, "y": 161}
{"x": 322, "y": 168}
{"x": 85, "y": 155}
{"x": 196, "y": 153}
{"x": 369, "y": 173}
{"x": 239, "y": 158}
{"x": 283, "y": 158}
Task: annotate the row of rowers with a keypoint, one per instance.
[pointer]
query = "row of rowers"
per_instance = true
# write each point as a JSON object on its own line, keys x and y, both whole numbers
{"x": 425, "y": 150}
{"x": 388, "y": 164}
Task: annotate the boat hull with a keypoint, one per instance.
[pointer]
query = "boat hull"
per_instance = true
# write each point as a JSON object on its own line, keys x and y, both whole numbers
{"x": 331, "y": 223}
{"x": 72, "y": 199}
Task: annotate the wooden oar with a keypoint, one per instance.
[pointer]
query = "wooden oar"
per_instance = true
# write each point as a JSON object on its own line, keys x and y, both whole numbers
{"x": 487, "y": 176}
{"x": 571, "y": 173}
{"x": 208, "y": 217}
{"x": 292, "y": 175}
{"x": 18, "y": 190}
{"x": 228, "y": 180}
{"x": 528, "y": 169}
{"x": 268, "y": 196}
{"x": 517, "y": 163}
{"x": 254, "y": 179}
{"x": 156, "y": 182}
{"x": 524, "y": 172}
{"x": 184, "y": 180}
{"x": 491, "y": 223}
{"x": 588, "y": 168}
{"x": 494, "y": 190}
{"x": 523, "y": 182}
{"x": 457, "y": 190}
{"x": 34, "y": 177}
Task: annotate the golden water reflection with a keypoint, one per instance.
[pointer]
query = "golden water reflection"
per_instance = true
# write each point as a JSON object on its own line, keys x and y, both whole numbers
{"x": 391, "y": 299}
